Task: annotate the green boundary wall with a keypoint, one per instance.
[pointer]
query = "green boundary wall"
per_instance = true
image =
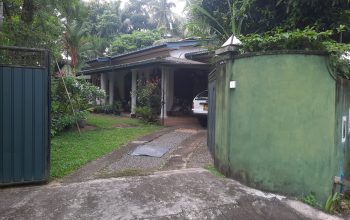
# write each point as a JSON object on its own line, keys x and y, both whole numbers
{"x": 280, "y": 128}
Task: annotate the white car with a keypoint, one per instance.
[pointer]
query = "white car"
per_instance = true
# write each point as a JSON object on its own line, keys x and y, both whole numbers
{"x": 200, "y": 107}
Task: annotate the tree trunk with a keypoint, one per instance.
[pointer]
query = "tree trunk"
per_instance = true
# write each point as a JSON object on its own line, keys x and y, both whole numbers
{"x": 6, "y": 10}
{"x": 27, "y": 11}
{"x": 1, "y": 14}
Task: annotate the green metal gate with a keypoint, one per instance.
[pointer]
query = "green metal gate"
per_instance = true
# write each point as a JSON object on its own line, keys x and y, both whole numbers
{"x": 211, "y": 112}
{"x": 24, "y": 115}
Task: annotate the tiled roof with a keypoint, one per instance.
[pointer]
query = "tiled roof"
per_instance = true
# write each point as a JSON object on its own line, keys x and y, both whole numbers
{"x": 159, "y": 61}
{"x": 170, "y": 45}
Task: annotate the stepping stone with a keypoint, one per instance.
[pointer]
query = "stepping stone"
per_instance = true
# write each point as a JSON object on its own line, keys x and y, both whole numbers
{"x": 149, "y": 150}
{"x": 139, "y": 142}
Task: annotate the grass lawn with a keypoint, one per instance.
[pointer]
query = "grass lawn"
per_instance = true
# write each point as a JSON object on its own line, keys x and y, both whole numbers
{"x": 108, "y": 121}
{"x": 70, "y": 151}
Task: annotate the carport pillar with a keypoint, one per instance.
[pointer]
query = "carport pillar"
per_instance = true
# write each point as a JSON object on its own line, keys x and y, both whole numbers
{"x": 111, "y": 88}
{"x": 133, "y": 92}
{"x": 165, "y": 91}
{"x": 170, "y": 90}
{"x": 104, "y": 86}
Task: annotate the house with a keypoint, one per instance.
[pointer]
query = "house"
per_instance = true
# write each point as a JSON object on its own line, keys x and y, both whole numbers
{"x": 182, "y": 67}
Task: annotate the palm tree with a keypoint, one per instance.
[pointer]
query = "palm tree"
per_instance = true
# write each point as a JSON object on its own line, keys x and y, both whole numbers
{"x": 237, "y": 15}
{"x": 163, "y": 15}
{"x": 74, "y": 32}
{"x": 73, "y": 41}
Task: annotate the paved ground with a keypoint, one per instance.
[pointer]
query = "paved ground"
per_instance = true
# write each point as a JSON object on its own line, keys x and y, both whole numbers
{"x": 181, "y": 194}
{"x": 172, "y": 187}
{"x": 187, "y": 150}
{"x": 171, "y": 140}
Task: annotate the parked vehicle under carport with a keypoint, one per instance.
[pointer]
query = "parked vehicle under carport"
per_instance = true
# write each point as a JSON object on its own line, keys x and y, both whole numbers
{"x": 200, "y": 107}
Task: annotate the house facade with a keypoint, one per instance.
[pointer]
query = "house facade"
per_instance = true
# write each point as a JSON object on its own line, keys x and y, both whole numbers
{"x": 182, "y": 68}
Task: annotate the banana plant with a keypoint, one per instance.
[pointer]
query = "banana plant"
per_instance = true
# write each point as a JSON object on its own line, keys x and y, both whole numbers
{"x": 237, "y": 17}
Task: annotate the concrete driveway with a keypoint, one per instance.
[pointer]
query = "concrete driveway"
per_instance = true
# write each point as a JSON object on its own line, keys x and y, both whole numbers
{"x": 175, "y": 188}
{"x": 178, "y": 194}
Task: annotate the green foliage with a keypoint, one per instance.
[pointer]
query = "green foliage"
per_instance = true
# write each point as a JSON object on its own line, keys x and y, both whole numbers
{"x": 65, "y": 121}
{"x": 311, "y": 200}
{"x": 148, "y": 99}
{"x": 307, "y": 39}
{"x": 93, "y": 47}
{"x": 162, "y": 14}
{"x": 106, "y": 109}
{"x": 136, "y": 40}
{"x": 110, "y": 121}
{"x": 82, "y": 94}
{"x": 331, "y": 203}
{"x": 136, "y": 16}
{"x": 109, "y": 109}
{"x": 33, "y": 23}
{"x": 338, "y": 204}
{"x": 146, "y": 90}
{"x": 108, "y": 24}
{"x": 339, "y": 57}
{"x": 224, "y": 18}
{"x": 146, "y": 114}
{"x": 214, "y": 171}
{"x": 117, "y": 107}
{"x": 45, "y": 29}
{"x": 257, "y": 16}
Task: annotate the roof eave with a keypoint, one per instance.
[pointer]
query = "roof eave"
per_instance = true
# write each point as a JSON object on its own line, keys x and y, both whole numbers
{"x": 153, "y": 61}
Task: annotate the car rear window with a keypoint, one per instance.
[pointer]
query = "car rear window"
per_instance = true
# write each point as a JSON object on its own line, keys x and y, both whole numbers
{"x": 202, "y": 95}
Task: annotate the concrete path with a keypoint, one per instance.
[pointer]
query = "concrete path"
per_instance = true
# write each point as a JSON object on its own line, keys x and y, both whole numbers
{"x": 187, "y": 148}
{"x": 172, "y": 187}
{"x": 179, "y": 194}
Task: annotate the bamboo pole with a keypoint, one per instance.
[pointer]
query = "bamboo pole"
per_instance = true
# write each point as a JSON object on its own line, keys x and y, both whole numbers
{"x": 70, "y": 101}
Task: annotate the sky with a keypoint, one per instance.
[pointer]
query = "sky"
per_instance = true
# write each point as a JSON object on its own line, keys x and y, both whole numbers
{"x": 180, "y": 4}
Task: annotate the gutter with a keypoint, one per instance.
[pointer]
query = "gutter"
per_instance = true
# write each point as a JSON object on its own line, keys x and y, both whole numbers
{"x": 121, "y": 66}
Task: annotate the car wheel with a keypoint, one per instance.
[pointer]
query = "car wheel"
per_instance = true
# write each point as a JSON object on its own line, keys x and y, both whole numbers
{"x": 203, "y": 122}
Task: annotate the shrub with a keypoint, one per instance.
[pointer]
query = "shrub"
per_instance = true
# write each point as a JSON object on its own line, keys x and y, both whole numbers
{"x": 148, "y": 99}
{"x": 82, "y": 95}
{"x": 66, "y": 121}
{"x": 307, "y": 39}
{"x": 117, "y": 108}
{"x": 146, "y": 114}
{"x": 311, "y": 200}
{"x": 109, "y": 109}
{"x": 332, "y": 203}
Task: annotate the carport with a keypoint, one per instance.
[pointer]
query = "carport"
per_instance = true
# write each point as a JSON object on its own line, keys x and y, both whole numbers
{"x": 180, "y": 78}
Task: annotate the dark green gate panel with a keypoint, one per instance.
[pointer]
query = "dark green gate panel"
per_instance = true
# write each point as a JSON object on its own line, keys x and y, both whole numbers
{"x": 211, "y": 113}
{"x": 342, "y": 143}
{"x": 24, "y": 128}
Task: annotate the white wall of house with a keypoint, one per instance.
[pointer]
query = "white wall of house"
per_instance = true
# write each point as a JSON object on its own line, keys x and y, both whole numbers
{"x": 133, "y": 91}
{"x": 104, "y": 80}
{"x": 167, "y": 88}
{"x": 111, "y": 87}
